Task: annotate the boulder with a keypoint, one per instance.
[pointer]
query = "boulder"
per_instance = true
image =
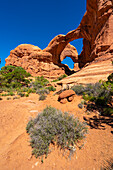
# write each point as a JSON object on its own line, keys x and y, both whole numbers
{"x": 67, "y": 94}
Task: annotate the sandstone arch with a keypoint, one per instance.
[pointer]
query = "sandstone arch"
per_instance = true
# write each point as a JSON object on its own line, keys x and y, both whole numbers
{"x": 95, "y": 29}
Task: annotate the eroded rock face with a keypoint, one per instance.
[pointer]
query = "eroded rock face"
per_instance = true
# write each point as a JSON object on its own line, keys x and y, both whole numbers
{"x": 96, "y": 29}
{"x": 39, "y": 62}
{"x": 98, "y": 25}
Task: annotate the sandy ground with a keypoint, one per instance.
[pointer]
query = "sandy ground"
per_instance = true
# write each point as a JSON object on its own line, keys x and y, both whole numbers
{"x": 15, "y": 151}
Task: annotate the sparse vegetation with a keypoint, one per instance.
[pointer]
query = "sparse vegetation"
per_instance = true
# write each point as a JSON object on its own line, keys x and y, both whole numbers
{"x": 52, "y": 126}
{"x": 42, "y": 91}
{"x": 39, "y": 82}
{"x": 15, "y": 80}
{"x": 27, "y": 95}
{"x": 21, "y": 94}
{"x": 51, "y": 88}
{"x": 42, "y": 97}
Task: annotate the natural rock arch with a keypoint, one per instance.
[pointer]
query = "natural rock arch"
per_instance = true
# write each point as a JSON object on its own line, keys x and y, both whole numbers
{"x": 96, "y": 30}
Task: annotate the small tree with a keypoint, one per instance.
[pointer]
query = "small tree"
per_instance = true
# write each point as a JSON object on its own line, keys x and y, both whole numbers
{"x": 14, "y": 76}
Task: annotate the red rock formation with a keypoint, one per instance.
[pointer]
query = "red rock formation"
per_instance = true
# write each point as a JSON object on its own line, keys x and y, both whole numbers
{"x": 96, "y": 29}
{"x": 40, "y": 62}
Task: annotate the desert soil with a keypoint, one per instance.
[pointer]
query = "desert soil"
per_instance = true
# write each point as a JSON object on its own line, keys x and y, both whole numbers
{"x": 15, "y": 150}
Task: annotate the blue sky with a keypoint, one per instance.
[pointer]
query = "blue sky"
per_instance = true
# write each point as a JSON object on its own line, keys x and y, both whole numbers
{"x": 37, "y": 22}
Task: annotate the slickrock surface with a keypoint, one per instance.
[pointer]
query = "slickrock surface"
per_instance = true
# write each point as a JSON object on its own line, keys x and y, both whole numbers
{"x": 90, "y": 74}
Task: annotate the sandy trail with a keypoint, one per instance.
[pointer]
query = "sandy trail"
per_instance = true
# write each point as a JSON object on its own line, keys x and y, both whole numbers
{"x": 15, "y": 152}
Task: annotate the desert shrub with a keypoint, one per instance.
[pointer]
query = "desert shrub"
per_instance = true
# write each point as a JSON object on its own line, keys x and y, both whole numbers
{"x": 52, "y": 126}
{"x": 51, "y": 88}
{"x": 42, "y": 91}
{"x": 8, "y": 98}
{"x": 60, "y": 78}
{"x": 27, "y": 95}
{"x": 23, "y": 89}
{"x": 99, "y": 94}
{"x": 78, "y": 89}
{"x": 11, "y": 94}
{"x": 107, "y": 111}
{"x": 39, "y": 82}
{"x": 11, "y": 76}
{"x": 15, "y": 97}
{"x": 1, "y": 98}
{"x": 8, "y": 89}
{"x": 30, "y": 91}
{"x": 21, "y": 94}
{"x": 42, "y": 97}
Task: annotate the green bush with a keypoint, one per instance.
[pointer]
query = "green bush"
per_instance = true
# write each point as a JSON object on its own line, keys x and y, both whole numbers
{"x": 107, "y": 111}
{"x": 22, "y": 89}
{"x": 100, "y": 93}
{"x": 52, "y": 126}
{"x": 51, "y": 88}
{"x": 30, "y": 91}
{"x": 27, "y": 95}
{"x": 39, "y": 82}
{"x": 42, "y": 91}
{"x": 21, "y": 94}
{"x": 11, "y": 94}
{"x": 11, "y": 76}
